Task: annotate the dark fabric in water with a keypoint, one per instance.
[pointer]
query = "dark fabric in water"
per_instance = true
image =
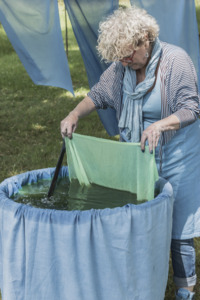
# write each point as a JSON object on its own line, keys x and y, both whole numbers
{"x": 73, "y": 196}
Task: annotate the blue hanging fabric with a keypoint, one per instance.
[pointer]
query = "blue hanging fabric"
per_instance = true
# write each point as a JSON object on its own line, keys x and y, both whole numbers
{"x": 178, "y": 24}
{"x": 33, "y": 28}
{"x": 85, "y": 16}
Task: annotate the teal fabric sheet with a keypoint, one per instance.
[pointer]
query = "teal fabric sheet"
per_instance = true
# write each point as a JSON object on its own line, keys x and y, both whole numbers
{"x": 112, "y": 164}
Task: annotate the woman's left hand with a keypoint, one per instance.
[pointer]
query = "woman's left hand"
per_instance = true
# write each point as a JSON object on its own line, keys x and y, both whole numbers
{"x": 152, "y": 134}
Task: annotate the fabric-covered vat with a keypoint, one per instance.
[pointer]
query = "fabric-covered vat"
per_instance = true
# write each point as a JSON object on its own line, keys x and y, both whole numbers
{"x": 120, "y": 253}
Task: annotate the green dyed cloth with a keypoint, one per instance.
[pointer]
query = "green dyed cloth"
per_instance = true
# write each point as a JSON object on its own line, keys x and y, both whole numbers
{"x": 112, "y": 164}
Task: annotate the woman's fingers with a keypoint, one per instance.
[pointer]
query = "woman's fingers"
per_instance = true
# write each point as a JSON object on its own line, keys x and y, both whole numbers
{"x": 68, "y": 126}
{"x": 157, "y": 139}
{"x": 152, "y": 134}
{"x": 143, "y": 140}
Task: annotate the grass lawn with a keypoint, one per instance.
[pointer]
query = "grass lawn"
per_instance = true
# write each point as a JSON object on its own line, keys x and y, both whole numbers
{"x": 30, "y": 117}
{"x": 197, "y": 3}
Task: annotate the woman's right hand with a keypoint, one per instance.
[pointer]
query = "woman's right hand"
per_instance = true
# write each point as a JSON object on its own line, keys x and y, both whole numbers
{"x": 69, "y": 125}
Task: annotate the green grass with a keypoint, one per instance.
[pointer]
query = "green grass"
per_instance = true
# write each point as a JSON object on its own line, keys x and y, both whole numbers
{"x": 30, "y": 118}
{"x": 197, "y": 4}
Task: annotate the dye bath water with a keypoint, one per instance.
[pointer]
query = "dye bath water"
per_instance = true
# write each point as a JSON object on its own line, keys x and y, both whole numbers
{"x": 71, "y": 196}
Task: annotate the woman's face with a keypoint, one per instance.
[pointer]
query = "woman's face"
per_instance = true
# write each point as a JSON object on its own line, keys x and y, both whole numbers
{"x": 138, "y": 59}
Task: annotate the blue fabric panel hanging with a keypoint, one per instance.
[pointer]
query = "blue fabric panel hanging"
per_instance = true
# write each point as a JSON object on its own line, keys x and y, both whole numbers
{"x": 85, "y": 16}
{"x": 178, "y": 24}
{"x": 33, "y": 28}
{"x": 119, "y": 253}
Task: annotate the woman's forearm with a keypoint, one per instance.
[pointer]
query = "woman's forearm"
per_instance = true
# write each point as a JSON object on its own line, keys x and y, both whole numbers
{"x": 69, "y": 124}
{"x": 170, "y": 123}
{"x": 84, "y": 108}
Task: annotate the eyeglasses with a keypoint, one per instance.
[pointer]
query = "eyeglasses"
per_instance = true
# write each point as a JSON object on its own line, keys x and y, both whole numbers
{"x": 128, "y": 59}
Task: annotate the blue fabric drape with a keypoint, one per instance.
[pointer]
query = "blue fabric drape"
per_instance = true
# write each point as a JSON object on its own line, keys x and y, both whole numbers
{"x": 178, "y": 24}
{"x": 85, "y": 16}
{"x": 119, "y": 253}
{"x": 33, "y": 28}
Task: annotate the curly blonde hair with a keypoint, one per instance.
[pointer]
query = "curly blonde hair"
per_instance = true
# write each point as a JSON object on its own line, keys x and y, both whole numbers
{"x": 125, "y": 30}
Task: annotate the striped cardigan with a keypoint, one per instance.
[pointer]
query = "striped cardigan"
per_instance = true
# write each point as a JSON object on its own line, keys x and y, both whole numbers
{"x": 179, "y": 91}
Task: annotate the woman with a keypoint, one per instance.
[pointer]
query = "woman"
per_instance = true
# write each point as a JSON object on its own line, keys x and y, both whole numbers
{"x": 153, "y": 88}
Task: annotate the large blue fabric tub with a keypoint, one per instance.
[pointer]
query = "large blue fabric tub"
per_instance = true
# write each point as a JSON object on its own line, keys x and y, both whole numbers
{"x": 120, "y": 253}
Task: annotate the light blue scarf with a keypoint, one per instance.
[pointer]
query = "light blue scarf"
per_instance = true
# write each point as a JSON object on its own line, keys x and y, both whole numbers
{"x": 131, "y": 122}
